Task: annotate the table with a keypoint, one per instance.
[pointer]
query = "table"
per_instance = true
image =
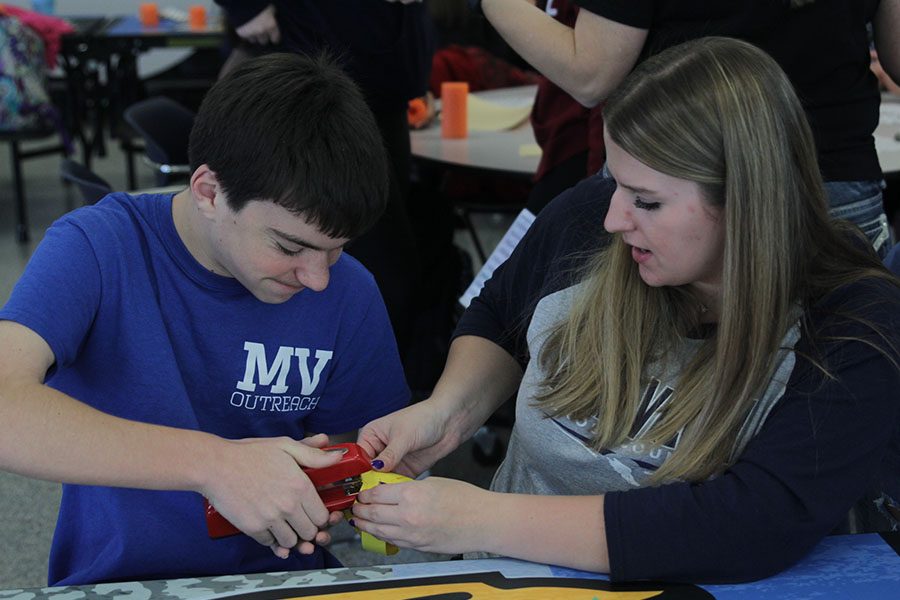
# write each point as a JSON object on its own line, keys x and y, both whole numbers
{"x": 492, "y": 151}
{"x": 860, "y": 567}
{"x": 499, "y": 150}
{"x": 100, "y": 64}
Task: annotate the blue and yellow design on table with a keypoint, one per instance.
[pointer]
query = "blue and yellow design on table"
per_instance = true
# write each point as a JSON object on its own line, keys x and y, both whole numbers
{"x": 487, "y": 586}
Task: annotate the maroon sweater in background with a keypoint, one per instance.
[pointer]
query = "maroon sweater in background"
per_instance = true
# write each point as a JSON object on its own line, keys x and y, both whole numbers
{"x": 562, "y": 126}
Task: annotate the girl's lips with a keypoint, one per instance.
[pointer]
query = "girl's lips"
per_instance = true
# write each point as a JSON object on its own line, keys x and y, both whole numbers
{"x": 640, "y": 255}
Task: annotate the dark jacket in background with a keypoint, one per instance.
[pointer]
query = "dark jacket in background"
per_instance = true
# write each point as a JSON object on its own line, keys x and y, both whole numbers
{"x": 386, "y": 47}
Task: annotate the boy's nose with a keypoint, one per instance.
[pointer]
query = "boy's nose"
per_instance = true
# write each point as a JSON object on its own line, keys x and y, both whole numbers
{"x": 314, "y": 273}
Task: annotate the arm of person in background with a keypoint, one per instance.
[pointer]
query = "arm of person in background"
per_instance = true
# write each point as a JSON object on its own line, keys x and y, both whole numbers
{"x": 887, "y": 43}
{"x": 254, "y": 22}
{"x": 588, "y": 62}
{"x": 884, "y": 81}
{"x": 257, "y": 484}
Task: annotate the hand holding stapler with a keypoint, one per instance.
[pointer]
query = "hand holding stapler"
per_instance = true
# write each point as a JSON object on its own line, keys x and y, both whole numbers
{"x": 337, "y": 486}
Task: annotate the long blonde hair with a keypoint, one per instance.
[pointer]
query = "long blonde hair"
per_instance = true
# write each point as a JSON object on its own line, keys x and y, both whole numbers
{"x": 719, "y": 112}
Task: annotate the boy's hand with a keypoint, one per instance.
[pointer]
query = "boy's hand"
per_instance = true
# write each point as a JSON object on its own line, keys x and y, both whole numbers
{"x": 408, "y": 441}
{"x": 258, "y": 484}
{"x": 261, "y": 29}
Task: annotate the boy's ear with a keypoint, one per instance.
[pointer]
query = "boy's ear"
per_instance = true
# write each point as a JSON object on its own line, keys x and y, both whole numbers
{"x": 205, "y": 189}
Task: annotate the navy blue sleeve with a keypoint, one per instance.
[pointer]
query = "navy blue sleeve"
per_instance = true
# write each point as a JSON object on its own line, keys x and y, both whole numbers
{"x": 828, "y": 442}
{"x": 548, "y": 258}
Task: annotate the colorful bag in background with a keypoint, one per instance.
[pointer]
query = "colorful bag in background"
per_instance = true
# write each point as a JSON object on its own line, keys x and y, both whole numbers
{"x": 24, "y": 101}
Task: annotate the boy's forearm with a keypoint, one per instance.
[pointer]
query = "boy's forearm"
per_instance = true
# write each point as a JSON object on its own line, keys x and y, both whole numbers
{"x": 49, "y": 435}
{"x": 478, "y": 377}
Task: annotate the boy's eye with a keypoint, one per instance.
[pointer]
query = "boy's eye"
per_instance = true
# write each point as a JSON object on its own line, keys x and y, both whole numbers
{"x": 286, "y": 251}
{"x": 639, "y": 203}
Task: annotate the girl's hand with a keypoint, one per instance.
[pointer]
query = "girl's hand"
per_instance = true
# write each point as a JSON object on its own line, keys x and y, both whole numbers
{"x": 432, "y": 515}
{"x": 408, "y": 441}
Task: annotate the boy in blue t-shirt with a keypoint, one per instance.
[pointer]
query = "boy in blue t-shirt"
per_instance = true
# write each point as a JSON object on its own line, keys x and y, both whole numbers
{"x": 162, "y": 348}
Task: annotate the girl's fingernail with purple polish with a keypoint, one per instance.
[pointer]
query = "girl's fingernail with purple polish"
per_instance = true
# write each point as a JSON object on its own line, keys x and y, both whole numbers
{"x": 377, "y": 464}
{"x": 352, "y": 523}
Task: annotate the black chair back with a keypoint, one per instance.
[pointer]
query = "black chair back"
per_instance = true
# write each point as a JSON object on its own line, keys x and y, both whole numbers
{"x": 165, "y": 127}
{"x": 92, "y": 186}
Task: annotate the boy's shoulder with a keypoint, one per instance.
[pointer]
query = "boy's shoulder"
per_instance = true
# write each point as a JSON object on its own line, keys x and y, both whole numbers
{"x": 118, "y": 211}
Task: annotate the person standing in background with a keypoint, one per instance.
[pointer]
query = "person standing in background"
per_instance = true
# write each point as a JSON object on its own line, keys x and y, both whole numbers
{"x": 822, "y": 45}
{"x": 386, "y": 48}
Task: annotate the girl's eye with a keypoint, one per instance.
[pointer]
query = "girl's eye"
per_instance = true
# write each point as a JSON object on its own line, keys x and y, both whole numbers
{"x": 286, "y": 251}
{"x": 638, "y": 203}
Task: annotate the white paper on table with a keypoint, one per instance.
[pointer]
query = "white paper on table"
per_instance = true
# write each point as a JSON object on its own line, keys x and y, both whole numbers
{"x": 485, "y": 115}
{"x": 506, "y": 246}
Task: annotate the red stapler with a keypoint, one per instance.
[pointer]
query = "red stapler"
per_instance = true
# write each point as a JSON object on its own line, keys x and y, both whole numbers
{"x": 337, "y": 485}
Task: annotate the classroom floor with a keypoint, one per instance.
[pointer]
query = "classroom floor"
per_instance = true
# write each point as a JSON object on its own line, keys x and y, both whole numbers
{"x": 28, "y": 507}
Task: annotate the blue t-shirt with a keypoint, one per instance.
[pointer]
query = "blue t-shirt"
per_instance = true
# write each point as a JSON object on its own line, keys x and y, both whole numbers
{"x": 142, "y": 331}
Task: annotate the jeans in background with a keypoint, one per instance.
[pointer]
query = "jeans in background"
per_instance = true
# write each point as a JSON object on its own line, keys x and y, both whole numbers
{"x": 860, "y": 202}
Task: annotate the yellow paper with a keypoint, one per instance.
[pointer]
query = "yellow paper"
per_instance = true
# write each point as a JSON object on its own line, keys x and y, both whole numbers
{"x": 369, "y": 542}
{"x": 529, "y": 150}
{"x": 490, "y": 116}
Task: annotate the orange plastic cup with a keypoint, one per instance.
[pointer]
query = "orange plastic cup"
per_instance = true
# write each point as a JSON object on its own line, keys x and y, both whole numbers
{"x": 197, "y": 16}
{"x": 149, "y": 14}
{"x": 454, "y": 109}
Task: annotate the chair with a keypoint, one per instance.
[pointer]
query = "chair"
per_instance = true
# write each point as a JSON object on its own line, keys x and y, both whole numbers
{"x": 464, "y": 211}
{"x": 92, "y": 186}
{"x": 17, "y": 155}
{"x": 165, "y": 126}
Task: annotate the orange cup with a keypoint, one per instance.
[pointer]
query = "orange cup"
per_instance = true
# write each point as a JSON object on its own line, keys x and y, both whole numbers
{"x": 197, "y": 16}
{"x": 149, "y": 14}
{"x": 454, "y": 109}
